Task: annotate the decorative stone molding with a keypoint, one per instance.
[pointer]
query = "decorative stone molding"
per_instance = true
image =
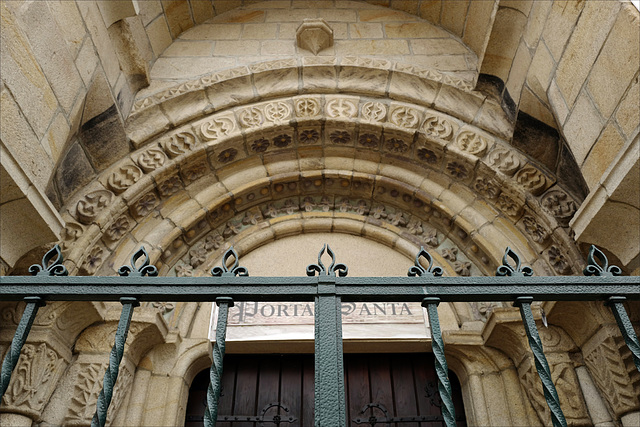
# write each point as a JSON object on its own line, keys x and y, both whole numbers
{"x": 123, "y": 178}
{"x": 314, "y": 35}
{"x": 559, "y": 205}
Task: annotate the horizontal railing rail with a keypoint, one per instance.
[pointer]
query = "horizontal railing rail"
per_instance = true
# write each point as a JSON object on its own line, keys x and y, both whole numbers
{"x": 328, "y": 289}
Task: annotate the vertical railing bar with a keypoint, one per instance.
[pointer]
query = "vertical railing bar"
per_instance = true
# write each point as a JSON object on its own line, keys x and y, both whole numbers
{"x": 626, "y": 328}
{"x": 215, "y": 374}
{"x": 117, "y": 351}
{"x": 542, "y": 366}
{"x": 442, "y": 370}
{"x": 19, "y": 338}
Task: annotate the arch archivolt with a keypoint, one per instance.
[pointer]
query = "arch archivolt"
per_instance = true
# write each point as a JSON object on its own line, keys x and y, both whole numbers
{"x": 397, "y": 172}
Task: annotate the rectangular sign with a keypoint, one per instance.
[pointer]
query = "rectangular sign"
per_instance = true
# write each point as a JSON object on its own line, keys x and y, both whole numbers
{"x": 294, "y": 320}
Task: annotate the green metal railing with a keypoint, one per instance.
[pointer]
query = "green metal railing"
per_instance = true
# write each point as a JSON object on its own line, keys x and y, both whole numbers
{"x": 328, "y": 290}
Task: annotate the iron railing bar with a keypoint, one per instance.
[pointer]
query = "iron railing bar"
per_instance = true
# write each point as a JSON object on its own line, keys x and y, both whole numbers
{"x": 215, "y": 373}
{"x": 448, "y": 291}
{"x": 117, "y": 351}
{"x": 542, "y": 366}
{"x": 442, "y": 370}
{"x": 626, "y": 328}
{"x": 19, "y": 338}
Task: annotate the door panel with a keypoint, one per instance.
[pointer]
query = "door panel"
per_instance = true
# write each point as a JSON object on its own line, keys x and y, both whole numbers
{"x": 404, "y": 385}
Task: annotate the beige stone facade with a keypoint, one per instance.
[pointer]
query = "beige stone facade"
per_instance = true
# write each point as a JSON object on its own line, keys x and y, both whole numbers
{"x": 379, "y": 126}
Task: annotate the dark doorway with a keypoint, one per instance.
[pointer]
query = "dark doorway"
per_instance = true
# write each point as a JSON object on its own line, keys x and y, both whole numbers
{"x": 392, "y": 385}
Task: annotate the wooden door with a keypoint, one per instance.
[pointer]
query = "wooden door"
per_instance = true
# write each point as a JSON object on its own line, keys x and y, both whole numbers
{"x": 393, "y": 385}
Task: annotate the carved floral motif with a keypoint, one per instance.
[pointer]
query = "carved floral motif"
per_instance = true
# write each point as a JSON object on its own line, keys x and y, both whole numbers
{"x": 260, "y": 145}
{"x": 396, "y": 145}
{"x": 558, "y": 260}
{"x": 282, "y": 141}
{"x": 145, "y": 205}
{"x": 368, "y": 140}
{"x": 427, "y": 155}
{"x": 227, "y": 155}
{"x": 340, "y": 137}
{"x": 169, "y": 186}
{"x": 94, "y": 260}
{"x": 457, "y": 170}
{"x": 537, "y": 232}
{"x": 309, "y": 136}
{"x": 487, "y": 187}
{"x": 117, "y": 229}
{"x": 508, "y": 205}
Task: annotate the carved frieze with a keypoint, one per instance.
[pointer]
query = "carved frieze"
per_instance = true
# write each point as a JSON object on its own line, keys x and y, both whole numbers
{"x": 558, "y": 204}
{"x": 216, "y": 128}
{"x": 374, "y": 111}
{"x": 538, "y": 233}
{"x": 341, "y": 108}
{"x": 277, "y": 112}
{"x": 123, "y": 178}
{"x": 179, "y": 143}
{"x": 251, "y": 117}
{"x": 438, "y": 127}
{"x": 94, "y": 260}
{"x": 152, "y": 159}
{"x": 117, "y": 229}
{"x": 472, "y": 143}
{"x": 504, "y": 160}
{"x": 169, "y": 186}
{"x": 92, "y": 204}
{"x": 404, "y": 117}
{"x": 307, "y": 107}
{"x": 532, "y": 180}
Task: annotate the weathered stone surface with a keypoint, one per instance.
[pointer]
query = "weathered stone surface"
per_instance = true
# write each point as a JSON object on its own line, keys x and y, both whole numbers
{"x": 537, "y": 140}
{"x": 569, "y": 174}
{"x": 104, "y": 139}
{"x": 73, "y": 172}
{"x": 159, "y": 35}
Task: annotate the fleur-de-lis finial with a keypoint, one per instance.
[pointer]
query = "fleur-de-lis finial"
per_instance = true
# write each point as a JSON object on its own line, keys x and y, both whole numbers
{"x": 506, "y": 269}
{"x": 600, "y": 269}
{"x": 50, "y": 266}
{"x": 234, "y": 270}
{"x": 334, "y": 268}
{"x": 419, "y": 270}
{"x": 144, "y": 270}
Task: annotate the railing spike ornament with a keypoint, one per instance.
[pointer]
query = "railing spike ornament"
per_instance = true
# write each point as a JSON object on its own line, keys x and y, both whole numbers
{"x": 334, "y": 268}
{"x": 51, "y": 266}
{"x": 419, "y": 270}
{"x": 145, "y": 269}
{"x": 215, "y": 374}
{"x": 117, "y": 351}
{"x": 437, "y": 343}
{"x": 235, "y": 270}
{"x": 616, "y": 303}
{"x": 542, "y": 366}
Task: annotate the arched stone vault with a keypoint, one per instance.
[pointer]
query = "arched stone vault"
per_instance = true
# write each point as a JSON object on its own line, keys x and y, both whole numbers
{"x": 429, "y": 166}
